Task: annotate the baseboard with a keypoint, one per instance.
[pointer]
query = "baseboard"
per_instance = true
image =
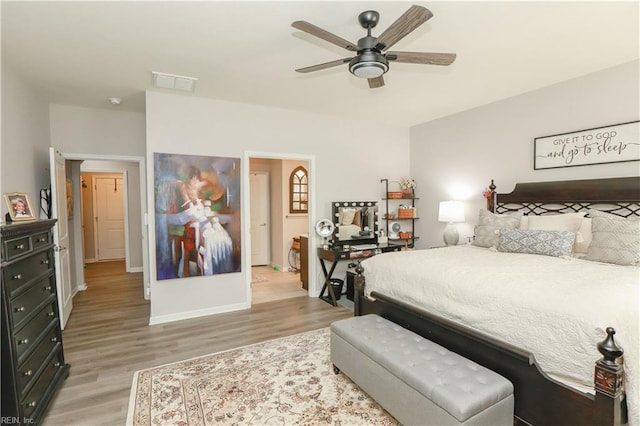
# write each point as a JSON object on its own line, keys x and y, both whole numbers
{"x": 82, "y": 287}
{"x": 90, "y": 261}
{"x": 162, "y": 319}
{"x": 136, "y": 269}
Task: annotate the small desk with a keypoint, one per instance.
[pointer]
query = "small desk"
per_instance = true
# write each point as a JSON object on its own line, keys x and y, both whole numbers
{"x": 336, "y": 254}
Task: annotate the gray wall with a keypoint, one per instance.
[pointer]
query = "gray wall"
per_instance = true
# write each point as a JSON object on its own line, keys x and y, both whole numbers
{"x": 25, "y": 139}
{"x": 457, "y": 156}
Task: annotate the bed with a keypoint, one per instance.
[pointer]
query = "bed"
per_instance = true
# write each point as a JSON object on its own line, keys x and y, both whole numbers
{"x": 536, "y": 319}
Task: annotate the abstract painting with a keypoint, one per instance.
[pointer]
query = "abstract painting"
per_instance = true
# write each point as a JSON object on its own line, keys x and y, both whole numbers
{"x": 197, "y": 213}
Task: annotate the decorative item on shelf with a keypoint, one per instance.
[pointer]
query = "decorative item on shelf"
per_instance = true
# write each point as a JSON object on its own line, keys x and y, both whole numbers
{"x": 408, "y": 188}
{"x": 405, "y": 212}
{"x": 394, "y": 229}
{"x": 395, "y": 195}
{"x": 390, "y": 216}
{"x": 450, "y": 212}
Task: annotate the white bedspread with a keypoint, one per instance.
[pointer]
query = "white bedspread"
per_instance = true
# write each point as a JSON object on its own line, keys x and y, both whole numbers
{"x": 533, "y": 302}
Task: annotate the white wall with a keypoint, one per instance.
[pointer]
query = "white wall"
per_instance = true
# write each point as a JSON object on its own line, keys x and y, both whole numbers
{"x": 25, "y": 139}
{"x": 97, "y": 131}
{"x": 294, "y": 224}
{"x": 347, "y": 166}
{"x": 457, "y": 156}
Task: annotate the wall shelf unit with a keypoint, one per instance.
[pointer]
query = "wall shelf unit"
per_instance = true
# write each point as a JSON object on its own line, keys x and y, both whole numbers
{"x": 399, "y": 214}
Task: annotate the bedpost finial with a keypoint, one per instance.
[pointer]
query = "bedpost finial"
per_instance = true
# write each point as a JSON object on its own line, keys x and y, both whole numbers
{"x": 609, "y": 349}
{"x": 359, "y": 269}
{"x": 492, "y": 187}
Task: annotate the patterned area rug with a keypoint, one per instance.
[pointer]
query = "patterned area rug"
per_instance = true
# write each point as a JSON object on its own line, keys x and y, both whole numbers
{"x": 279, "y": 382}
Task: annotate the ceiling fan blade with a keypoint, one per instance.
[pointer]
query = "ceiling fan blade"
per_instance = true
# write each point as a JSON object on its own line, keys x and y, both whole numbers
{"x": 376, "y": 82}
{"x": 323, "y": 66}
{"x": 422, "y": 58}
{"x": 325, "y": 35}
{"x": 409, "y": 21}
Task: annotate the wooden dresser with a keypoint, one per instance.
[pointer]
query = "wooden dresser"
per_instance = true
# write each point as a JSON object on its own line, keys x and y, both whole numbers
{"x": 33, "y": 366}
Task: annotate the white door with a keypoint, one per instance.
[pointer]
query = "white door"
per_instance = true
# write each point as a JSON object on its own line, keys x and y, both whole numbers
{"x": 61, "y": 235}
{"x": 259, "y": 199}
{"x": 109, "y": 218}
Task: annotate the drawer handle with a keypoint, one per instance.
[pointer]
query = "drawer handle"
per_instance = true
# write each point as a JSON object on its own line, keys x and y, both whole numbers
{"x": 47, "y": 288}
{"x": 54, "y": 339}
{"x": 23, "y": 341}
{"x": 42, "y": 239}
{"x": 28, "y": 373}
{"x": 45, "y": 262}
{"x": 20, "y": 309}
{"x": 17, "y": 277}
{"x": 57, "y": 365}
{"x": 50, "y": 314}
{"x": 20, "y": 247}
{"x": 31, "y": 404}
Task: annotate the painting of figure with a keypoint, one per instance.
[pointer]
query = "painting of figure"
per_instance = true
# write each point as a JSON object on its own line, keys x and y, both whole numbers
{"x": 197, "y": 213}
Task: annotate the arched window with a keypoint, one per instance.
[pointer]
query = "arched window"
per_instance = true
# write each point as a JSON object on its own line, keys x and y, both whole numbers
{"x": 298, "y": 190}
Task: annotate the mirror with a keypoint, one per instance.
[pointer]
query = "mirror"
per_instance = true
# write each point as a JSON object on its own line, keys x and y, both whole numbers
{"x": 356, "y": 222}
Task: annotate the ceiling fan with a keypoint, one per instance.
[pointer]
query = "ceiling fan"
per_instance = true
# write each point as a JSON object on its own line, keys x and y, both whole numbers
{"x": 370, "y": 61}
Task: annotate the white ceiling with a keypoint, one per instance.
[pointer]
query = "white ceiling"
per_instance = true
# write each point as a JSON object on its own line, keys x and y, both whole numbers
{"x": 82, "y": 53}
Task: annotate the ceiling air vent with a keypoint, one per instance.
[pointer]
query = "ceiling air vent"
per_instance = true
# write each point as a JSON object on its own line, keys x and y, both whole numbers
{"x": 172, "y": 81}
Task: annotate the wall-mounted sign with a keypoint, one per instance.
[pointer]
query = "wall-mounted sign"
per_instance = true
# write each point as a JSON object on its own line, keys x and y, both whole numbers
{"x": 610, "y": 144}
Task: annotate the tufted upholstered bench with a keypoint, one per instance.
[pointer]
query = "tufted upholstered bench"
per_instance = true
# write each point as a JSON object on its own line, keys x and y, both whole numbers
{"x": 415, "y": 380}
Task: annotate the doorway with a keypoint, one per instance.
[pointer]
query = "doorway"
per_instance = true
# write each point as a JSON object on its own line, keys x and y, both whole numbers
{"x": 273, "y": 229}
{"x": 103, "y": 216}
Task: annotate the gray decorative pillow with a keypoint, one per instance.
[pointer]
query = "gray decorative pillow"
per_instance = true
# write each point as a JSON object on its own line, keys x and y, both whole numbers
{"x": 614, "y": 239}
{"x": 533, "y": 241}
{"x": 490, "y": 224}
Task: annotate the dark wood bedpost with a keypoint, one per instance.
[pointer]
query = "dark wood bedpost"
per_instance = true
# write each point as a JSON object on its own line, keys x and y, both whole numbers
{"x": 608, "y": 383}
{"x": 358, "y": 291}
{"x": 490, "y": 195}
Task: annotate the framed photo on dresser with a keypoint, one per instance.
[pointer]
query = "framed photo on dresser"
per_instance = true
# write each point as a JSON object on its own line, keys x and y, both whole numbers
{"x": 19, "y": 206}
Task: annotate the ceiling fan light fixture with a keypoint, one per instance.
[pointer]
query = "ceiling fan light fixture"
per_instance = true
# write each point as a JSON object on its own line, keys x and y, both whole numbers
{"x": 368, "y": 65}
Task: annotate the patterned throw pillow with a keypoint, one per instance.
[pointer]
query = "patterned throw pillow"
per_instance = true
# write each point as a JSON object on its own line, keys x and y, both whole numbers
{"x": 614, "y": 239}
{"x": 532, "y": 241}
{"x": 490, "y": 224}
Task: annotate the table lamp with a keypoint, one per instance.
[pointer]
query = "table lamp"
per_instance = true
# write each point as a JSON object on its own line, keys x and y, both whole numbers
{"x": 450, "y": 212}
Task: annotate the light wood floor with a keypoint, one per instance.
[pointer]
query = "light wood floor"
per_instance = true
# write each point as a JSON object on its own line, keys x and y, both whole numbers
{"x": 108, "y": 338}
{"x": 269, "y": 285}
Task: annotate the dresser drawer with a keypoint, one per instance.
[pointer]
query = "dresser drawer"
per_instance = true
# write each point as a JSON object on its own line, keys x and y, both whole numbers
{"x": 29, "y": 371}
{"x": 26, "y": 338}
{"x": 23, "y": 306}
{"x": 34, "y": 398}
{"x": 20, "y": 273}
{"x": 40, "y": 239}
{"x": 16, "y": 247}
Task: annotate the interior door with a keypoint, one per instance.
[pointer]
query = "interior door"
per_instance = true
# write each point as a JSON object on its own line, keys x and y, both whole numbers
{"x": 61, "y": 235}
{"x": 259, "y": 196}
{"x": 109, "y": 217}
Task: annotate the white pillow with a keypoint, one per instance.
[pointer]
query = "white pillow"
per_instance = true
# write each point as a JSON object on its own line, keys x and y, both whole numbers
{"x": 557, "y": 222}
{"x": 615, "y": 239}
{"x": 584, "y": 237}
{"x": 571, "y": 222}
{"x": 489, "y": 225}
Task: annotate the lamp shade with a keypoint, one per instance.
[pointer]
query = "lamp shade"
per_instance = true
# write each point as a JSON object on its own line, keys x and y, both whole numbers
{"x": 451, "y": 211}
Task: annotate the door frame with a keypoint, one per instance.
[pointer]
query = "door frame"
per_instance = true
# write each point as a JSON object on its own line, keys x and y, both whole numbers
{"x": 125, "y": 206}
{"x": 140, "y": 160}
{"x": 314, "y": 289}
